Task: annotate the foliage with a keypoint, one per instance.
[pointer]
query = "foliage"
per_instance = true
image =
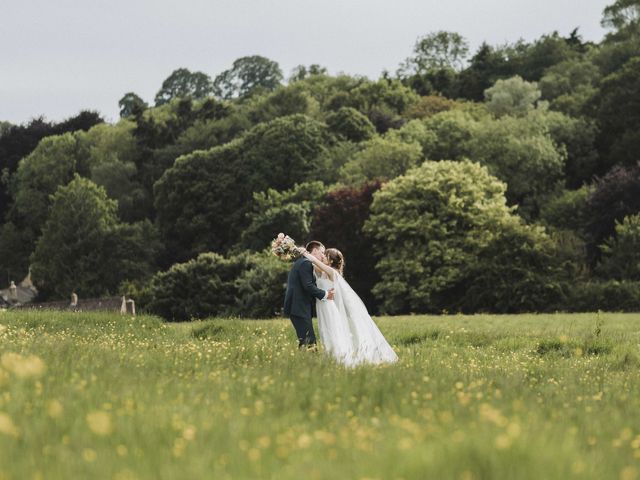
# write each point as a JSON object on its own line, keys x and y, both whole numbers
{"x": 131, "y": 104}
{"x": 381, "y": 158}
{"x": 246, "y": 284}
{"x": 618, "y": 114}
{"x": 569, "y": 85}
{"x": 513, "y": 96}
{"x": 349, "y": 124}
{"x": 261, "y": 286}
{"x": 247, "y": 76}
{"x": 285, "y": 100}
{"x": 436, "y": 51}
{"x": 520, "y": 152}
{"x": 623, "y": 16}
{"x": 338, "y": 220}
{"x": 18, "y": 141}
{"x": 83, "y": 249}
{"x": 452, "y": 130}
{"x": 414, "y": 132}
{"x": 113, "y": 152}
{"x": 184, "y": 83}
{"x": 197, "y": 202}
{"x": 518, "y": 271}
{"x": 567, "y": 209}
{"x": 301, "y": 72}
{"x": 608, "y": 295}
{"x": 428, "y": 226}
{"x": 202, "y": 202}
{"x": 577, "y": 136}
{"x": 383, "y": 102}
{"x": 621, "y": 254}
{"x": 201, "y": 287}
{"x": 288, "y": 211}
{"x": 429, "y": 105}
{"x": 615, "y": 196}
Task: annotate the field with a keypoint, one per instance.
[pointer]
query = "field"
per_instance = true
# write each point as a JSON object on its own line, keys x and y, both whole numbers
{"x": 473, "y": 397}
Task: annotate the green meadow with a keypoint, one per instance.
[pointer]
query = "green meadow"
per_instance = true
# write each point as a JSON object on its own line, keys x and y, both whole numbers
{"x": 473, "y": 397}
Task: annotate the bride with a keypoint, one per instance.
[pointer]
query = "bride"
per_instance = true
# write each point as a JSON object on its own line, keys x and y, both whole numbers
{"x": 347, "y": 331}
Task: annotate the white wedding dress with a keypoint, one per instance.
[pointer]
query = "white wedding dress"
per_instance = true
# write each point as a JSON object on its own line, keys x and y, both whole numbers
{"x": 347, "y": 331}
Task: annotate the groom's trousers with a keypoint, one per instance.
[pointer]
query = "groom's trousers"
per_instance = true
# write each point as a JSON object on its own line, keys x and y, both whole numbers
{"x": 304, "y": 330}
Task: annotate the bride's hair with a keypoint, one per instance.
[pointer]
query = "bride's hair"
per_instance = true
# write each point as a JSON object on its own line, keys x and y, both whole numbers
{"x": 336, "y": 259}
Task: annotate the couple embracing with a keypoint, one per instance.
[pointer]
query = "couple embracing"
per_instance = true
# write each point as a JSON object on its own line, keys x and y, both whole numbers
{"x": 347, "y": 332}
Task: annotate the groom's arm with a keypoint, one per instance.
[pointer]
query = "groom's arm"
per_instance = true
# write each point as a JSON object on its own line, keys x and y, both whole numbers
{"x": 306, "y": 277}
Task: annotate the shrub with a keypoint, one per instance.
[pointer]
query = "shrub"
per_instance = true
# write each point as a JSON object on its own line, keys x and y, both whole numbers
{"x": 610, "y": 295}
{"x": 621, "y": 254}
{"x": 246, "y": 284}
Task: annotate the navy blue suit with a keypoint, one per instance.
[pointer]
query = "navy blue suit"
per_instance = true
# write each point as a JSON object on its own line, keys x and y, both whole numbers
{"x": 298, "y": 301}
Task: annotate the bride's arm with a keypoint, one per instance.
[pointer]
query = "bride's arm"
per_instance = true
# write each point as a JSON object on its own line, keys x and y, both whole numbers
{"x": 318, "y": 264}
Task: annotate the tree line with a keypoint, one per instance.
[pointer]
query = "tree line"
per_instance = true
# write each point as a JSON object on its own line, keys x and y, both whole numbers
{"x": 504, "y": 180}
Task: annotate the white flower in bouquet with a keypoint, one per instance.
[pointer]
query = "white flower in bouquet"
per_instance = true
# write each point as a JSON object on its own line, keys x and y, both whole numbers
{"x": 284, "y": 247}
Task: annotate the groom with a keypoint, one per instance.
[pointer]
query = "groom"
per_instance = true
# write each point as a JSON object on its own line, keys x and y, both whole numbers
{"x": 301, "y": 291}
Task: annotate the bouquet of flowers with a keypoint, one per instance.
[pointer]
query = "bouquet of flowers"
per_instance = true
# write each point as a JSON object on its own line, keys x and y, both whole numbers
{"x": 284, "y": 247}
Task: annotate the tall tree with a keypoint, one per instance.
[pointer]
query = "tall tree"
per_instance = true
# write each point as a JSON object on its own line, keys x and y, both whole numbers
{"x": 184, "y": 83}
{"x": 248, "y": 75}
{"x": 84, "y": 249}
{"x": 436, "y": 51}
{"x": 623, "y": 16}
{"x": 131, "y": 104}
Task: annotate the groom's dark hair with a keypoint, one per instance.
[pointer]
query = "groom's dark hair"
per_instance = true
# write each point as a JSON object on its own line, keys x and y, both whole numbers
{"x": 312, "y": 245}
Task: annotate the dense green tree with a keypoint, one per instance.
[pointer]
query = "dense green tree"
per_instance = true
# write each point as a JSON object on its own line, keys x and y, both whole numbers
{"x": 430, "y": 105}
{"x": 534, "y": 59}
{"x": 53, "y": 163}
{"x": 199, "y": 200}
{"x": 261, "y": 286}
{"x": 285, "y": 100}
{"x": 200, "y": 288}
{"x": 18, "y": 141}
{"x": 435, "y": 51}
{"x": 184, "y": 83}
{"x": 288, "y": 211}
{"x": 569, "y": 85}
{"x": 513, "y": 96}
{"x": 382, "y": 159}
{"x": 618, "y": 114}
{"x": 80, "y": 248}
{"x": 246, "y": 285}
{"x": 414, "y": 132}
{"x": 4, "y": 127}
{"x": 203, "y": 199}
{"x": 578, "y": 137}
{"x": 621, "y": 253}
{"x": 487, "y": 65}
{"x": 301, "y": 72}
{"x": 350, "y": 124}
{"x": 567, "y": 209}
{"x": 338, "y": 220}
{"x": 248, "y": 75}
{"x": 520, "y": 152}
{"x": 518, "y": 271}
{"x": 452, "y": 130}
{"x": 428, "y": 226}
{"x": 384, "y": 102}
{"x": 615, "y": 196}
{"x": 623, "y": 16}
{"x": 131, "y": 104}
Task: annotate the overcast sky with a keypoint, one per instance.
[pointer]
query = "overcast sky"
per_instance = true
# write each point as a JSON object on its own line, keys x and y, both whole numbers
{"x": 58, "y": 57}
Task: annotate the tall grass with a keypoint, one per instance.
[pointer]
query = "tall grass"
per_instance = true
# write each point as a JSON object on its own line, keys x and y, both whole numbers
{"x": 473, "y": 397}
